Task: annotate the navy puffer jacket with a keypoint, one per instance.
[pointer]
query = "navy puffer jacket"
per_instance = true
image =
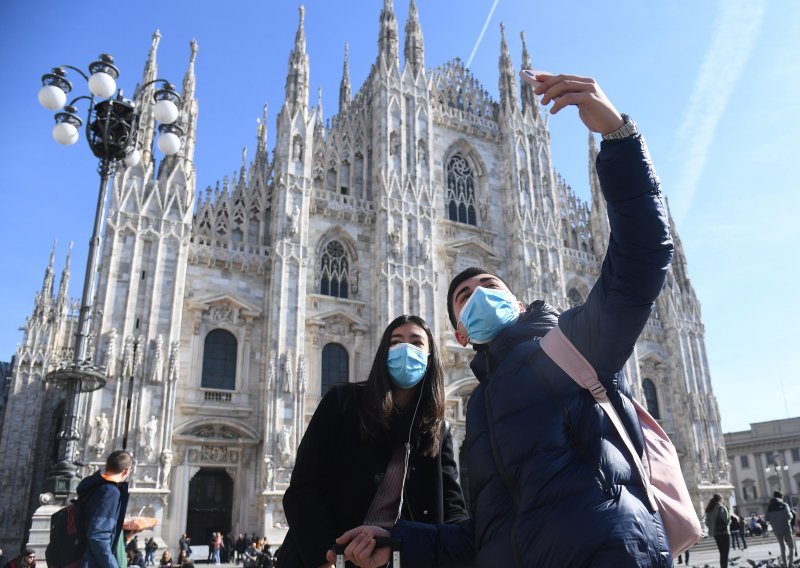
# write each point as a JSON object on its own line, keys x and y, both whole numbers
{"x": 550, "y": 479}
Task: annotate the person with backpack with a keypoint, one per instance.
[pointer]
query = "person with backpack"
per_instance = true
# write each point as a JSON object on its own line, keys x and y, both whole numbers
{"x": 781, "y": 517}
{"x": 551, "y": 482}
{"x": 104, "y": 500}
{"x": 150, "y": 548}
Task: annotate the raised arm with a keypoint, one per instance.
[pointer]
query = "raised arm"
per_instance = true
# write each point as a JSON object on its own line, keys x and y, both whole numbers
{"x": 606, "y": 327}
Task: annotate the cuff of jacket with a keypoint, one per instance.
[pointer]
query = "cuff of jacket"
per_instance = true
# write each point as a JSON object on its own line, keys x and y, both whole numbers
{"x": 625, "y": 169}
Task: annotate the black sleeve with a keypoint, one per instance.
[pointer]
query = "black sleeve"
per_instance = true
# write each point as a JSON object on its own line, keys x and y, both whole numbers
{"x": 454, "y": 505}
{"x": 304, "y": 501}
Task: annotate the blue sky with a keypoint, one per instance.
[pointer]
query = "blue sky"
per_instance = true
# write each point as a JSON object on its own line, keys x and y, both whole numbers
{"x": 713, "y": 85}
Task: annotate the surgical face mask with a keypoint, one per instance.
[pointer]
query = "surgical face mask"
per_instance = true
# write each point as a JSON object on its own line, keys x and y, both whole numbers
{"x": 487, "y": 312}
{"x": 406, "y": 364}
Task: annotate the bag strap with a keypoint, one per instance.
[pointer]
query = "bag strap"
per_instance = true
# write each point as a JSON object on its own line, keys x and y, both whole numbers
{"x": 564, "y": 354}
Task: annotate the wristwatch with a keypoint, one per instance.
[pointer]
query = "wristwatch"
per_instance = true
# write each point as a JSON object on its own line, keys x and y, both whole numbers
{"x": 627, "y": 130}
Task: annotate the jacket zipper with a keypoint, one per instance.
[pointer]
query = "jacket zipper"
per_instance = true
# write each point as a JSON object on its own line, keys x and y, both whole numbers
{"x": 503, "y": 474}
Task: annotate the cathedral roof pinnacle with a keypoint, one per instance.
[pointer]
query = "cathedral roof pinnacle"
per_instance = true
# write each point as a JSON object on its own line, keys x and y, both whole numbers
{"x": 529, "y": 100}
{"x": 414, "y": 49}
{"x": 297, "y": 76}
{"x": 387, "y": 38}
{"x": 344, "y": 86}
{"x": 508, "y": 80}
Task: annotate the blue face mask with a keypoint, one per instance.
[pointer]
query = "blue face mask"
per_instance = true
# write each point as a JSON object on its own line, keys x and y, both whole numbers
{"x": 406, "y": 364}
{"x": 488, "y": 312}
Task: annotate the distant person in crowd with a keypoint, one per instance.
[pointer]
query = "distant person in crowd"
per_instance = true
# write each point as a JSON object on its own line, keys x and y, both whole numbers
{"x": 105, "y": 500}
{"x": 25, "y": 560}
{"x": 241, "y": 546}
{"x": 375, "y": 451}
{"x": 4, "y": 560}
{"x": 251, "y": 556}
{"x": 735, "y": 532}
{"x": 184, "y": 544}
{"x": 782, "y": 519}
{"x": 135, "y": 558}
{"x": 184, "y": 561}
{"x": 717, "y": 521}
{"x": 150, "y": 548}
{"x": 166, "y": 560}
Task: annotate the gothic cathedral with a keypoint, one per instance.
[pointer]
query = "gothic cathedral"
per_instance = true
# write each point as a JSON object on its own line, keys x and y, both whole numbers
{"x": 221, "y": 320}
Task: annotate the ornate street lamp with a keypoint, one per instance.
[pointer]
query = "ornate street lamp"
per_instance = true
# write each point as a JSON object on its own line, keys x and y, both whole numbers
{"x": 111, "y": 131}
{"x": 774, "y": 466}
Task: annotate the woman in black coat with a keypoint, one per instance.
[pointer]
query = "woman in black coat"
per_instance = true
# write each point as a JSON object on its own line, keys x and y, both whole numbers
{"x": 375, "y": 451}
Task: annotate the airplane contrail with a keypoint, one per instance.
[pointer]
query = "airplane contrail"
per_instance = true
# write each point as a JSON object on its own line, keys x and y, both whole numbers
{"x": 483, "y": 31}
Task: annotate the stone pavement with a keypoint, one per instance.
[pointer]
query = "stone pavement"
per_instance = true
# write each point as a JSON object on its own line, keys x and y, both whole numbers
{"x": 758, "y": 550}
{"x": 704, "y": 555}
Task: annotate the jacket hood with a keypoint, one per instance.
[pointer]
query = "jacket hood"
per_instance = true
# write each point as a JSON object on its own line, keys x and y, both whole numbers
{"x": 775, "y": 504}
{"x": 89, "y": 483}
{"x": 538, "y": 319}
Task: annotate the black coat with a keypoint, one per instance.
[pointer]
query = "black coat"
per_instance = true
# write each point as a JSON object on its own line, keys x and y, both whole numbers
{"x": 337, "y": 474}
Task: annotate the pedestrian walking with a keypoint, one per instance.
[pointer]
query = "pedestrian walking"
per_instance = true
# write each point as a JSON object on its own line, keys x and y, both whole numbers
{"x": 781, "y": 517}
{"x": 105, "y": 500}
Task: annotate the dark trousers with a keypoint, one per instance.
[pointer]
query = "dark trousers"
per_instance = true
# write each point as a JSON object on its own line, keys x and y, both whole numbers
{"x": 724, "y": 546}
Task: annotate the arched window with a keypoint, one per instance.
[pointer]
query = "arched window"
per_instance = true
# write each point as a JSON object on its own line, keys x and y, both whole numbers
{"x": 460, "y": 191}
{"x": 575, "y": 298}
{"x": 334, "y": 275}
{"x": 219, "y": 360}
{"x": 650, "y": 398}
{"x": 335, "y": 366}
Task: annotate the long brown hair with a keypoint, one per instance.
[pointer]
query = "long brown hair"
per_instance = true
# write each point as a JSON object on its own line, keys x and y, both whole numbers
{"x": 377, "y": 405}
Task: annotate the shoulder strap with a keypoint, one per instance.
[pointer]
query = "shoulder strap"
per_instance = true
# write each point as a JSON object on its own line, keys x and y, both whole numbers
{"x": 564, "y": 354}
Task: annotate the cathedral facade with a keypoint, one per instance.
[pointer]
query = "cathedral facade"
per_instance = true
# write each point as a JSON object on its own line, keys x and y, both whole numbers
{"x": 222, "y": 319}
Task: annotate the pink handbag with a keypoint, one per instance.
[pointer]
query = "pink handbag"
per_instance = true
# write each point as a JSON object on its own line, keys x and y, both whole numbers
{"x": 660, "y": 471}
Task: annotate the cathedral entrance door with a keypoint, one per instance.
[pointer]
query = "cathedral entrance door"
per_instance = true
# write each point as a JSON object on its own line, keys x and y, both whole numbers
{"x": 210, "y": 502}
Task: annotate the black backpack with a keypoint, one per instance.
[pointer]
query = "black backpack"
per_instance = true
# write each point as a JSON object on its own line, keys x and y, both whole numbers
{"x": 67, "y": 537}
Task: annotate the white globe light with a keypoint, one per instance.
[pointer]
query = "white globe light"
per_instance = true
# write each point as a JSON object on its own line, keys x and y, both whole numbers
{"x": 52, "y": 98}
{"x": 102, "y": 85}
{"x": 65, "y": 133}
{"x": 166, "y": 111}
{"x": 133, "y": 158}
{"x": 169, "y": 143}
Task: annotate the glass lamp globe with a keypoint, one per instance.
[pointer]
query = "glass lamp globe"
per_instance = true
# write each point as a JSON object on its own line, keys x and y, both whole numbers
{"x": 133, "y": 158}
{"x": 166, "y": 111}
{"x": 169, "y": 143}
{"x": 102, "y": 85}
{"x": 52, "y": 98}
{"x": 65, "y": 133}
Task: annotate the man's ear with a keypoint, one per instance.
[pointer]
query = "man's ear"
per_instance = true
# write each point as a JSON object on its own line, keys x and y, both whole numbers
{"x": 522, "y": 307}
{"x": 462, "y": 338}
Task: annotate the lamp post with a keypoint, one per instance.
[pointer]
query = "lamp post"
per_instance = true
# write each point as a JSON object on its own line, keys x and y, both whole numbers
{"x": 774, "y": 465}
{"x": 111, "y": 131}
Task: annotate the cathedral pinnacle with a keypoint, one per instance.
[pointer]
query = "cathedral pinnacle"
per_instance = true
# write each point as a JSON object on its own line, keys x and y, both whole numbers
{"x": 319, "y": 105}
{"x": 387, "y": 38}
{"x": 344, "y": 86}
{"x": 63, "y": 288}
{"x": 297, "y": 76}
{"x": 529, "y": 101}
{"x": 151, "y": 68}
{"x": 508, "y": 81}
{"x": 262, "y": 133}
{"x": 414, "y": 49}
{"x": 47, "y": 285}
